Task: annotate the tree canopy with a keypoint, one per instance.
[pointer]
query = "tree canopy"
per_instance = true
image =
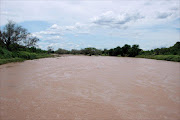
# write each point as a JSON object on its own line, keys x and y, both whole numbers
{"x": 13, "y": 34}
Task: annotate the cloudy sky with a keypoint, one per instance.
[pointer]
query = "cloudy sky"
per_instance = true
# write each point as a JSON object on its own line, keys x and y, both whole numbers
{"x": 76, "y": 24}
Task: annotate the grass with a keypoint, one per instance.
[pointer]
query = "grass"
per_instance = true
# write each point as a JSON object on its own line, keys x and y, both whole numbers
{"x": 24, "y": 57}
{"x": 17, "y": 59}
{"x": 175, "y": 58}
{"x": 7, "y": 56}
{"x": 8, "y": 60}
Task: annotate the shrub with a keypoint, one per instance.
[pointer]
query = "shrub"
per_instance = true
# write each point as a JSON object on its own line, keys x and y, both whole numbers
{"x": 27, "y": 55}
{"x": 4, "y": 53}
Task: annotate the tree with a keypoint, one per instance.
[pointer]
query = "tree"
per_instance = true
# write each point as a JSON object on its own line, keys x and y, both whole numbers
{"x": 91, "y": 51}
{"x": 125, "y": 50}
{"x": 30, "y": 41}
{"x": 74, "y": 51}
{"x": 111, "y": 52}
{"x": 156, "y": 51}
{"x": 15, "y": 34}
{"x": 50, "y": 49}
{"x": 1, "y": 41}
{"x": 117, "y": 51}
{"x": 175, "y": 49}
{"x": 62, "y": 51}
{"x": 105, "y": 52}
{"x": 134, "y": 51}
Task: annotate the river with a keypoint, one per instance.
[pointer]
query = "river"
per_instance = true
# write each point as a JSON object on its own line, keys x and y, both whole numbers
{"x": 90, "y": 88}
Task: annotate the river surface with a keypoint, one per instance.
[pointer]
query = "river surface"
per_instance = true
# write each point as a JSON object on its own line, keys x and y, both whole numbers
{"x": 90, "y": 88}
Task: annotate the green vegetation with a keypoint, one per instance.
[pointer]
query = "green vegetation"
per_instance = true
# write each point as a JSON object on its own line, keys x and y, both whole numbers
{"x": 169, "y": 54}
{"x": 173, "y": 50}
{"x": 175, "y": 58}
{"x": 17, "y": 45}
{"x": 4, "y": 61}
{"x": 7, "y": 56}
{"x": 126, "y": 50}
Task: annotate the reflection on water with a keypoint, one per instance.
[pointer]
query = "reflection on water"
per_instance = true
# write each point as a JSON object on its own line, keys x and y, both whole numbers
{"x": 84, "y": 87}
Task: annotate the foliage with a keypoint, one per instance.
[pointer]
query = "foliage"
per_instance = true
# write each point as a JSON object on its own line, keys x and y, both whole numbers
{"x": 16, "y": 44}
{"x": 170, "y": 54}
{"x": 61, "y": 51}
{"x": 91, "y": 51}
{"x": 175, "y": 58}
{"x": 126, "y": 50}
{"x": 174, "y": 50}
{"x": 7, "y": 56}
{"x": 50, "y": 49}
{"x": 4, "y": 61}
{"x": 75, "y": 52}
{"x": 86, "y": 51}
{"x": 4, "y": 53}
{"x": 13, "y": 34}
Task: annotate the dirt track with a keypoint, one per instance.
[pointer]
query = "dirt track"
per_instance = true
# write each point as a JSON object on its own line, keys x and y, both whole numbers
{"x": 90, "y": 88}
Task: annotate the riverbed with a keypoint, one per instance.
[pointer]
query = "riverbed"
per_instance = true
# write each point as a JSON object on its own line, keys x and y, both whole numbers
{"x": 90, "y": 88}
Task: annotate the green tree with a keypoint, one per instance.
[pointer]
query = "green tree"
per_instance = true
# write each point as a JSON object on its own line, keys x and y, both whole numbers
{"x": 74, "y": 51}
{"x": 1, "y": 40}
{"x": 50, "y": 49}
{"x": 175, "y": 49}
{"x": 91, "y": 51}
{"x": 62, "y": 51}
{"x": 111, "y": 52}
{"x": 117, "y": 51}
{"x": 134, "y": 51}
{"x": 13, "y": 34}
{"x": 30, "y": 41}
{"x": 105, "y": 52}
{"x": 125, "y": 50}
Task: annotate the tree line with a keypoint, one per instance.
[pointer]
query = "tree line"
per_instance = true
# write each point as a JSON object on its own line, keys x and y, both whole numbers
{"x": 126, "y": 50}
{"x": 173, "y": 50}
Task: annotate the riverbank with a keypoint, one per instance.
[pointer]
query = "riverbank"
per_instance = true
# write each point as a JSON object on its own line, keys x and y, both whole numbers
{"x": 7, "y": 56}
{"x": 29, "y": 56}
{"x": 175, "y": 58}
{"x": 17, "y": 59}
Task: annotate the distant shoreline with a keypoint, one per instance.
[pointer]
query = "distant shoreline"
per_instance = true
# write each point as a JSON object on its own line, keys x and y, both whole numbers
{"x": 172, "y": 58}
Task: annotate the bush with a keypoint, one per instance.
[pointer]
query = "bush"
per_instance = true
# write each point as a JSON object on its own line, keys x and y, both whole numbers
{"x": 175, "y": 58}
{"x": 4, "y": 61}
{"x": 4, "y": 53}
{"x": 27, "y": 55}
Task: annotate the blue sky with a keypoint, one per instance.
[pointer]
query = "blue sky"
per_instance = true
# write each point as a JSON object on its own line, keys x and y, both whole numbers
{"x": 91, "y": 23}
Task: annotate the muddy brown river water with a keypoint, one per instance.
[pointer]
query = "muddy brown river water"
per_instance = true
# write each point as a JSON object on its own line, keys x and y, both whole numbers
{"x": 90, "y": 88}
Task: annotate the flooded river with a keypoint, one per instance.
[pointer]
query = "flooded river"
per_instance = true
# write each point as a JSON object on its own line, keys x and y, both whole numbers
{"x": 90, "y": 88}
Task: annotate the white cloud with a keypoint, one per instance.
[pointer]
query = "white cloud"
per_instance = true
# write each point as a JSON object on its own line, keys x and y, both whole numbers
{"x": 54, "y": 38}
{"x": 57, "y": 30}
{"x": 120, "y": 18}
{"x": 69, "y": 12}
{"x": 111, "y": 19}
{"x": 54, "y": 26}
{"x": 163, "y": 15}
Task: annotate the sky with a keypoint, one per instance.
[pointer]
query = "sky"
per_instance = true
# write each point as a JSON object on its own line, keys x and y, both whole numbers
{"x": 77, "y": 24}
